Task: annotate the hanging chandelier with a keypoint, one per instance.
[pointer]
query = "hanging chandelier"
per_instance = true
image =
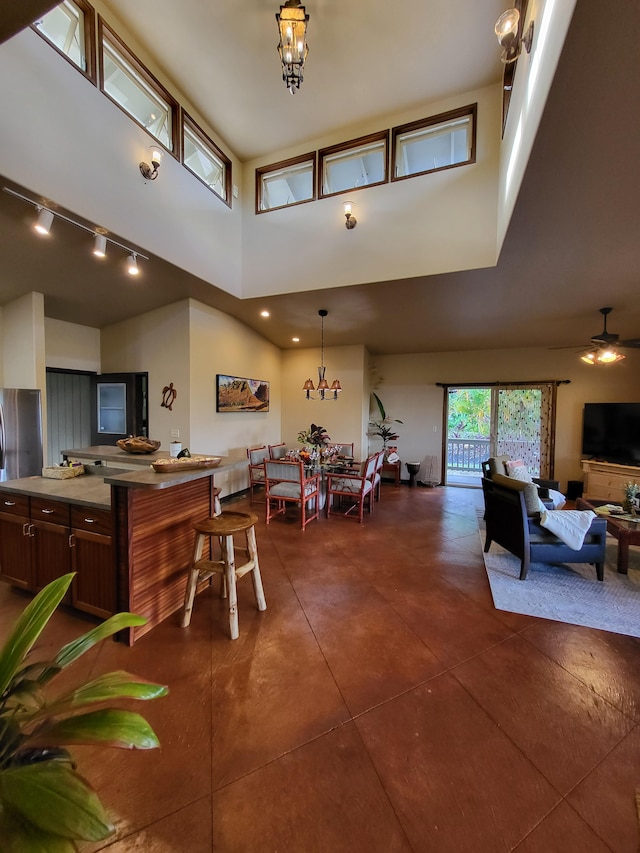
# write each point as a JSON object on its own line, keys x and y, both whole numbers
{"x": 325, "y": 391}
{"x": 292, "y": 47}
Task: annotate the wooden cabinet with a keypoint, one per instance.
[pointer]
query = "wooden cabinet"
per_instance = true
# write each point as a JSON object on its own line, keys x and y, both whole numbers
{"x": 42, "y": 539}
{"x": 15, "y": 541}
{"x": 605, "y": 481}
{"x": 92, "y": 558}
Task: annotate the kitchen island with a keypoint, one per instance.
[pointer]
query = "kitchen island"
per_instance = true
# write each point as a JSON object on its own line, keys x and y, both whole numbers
{"x": 127, "y": 533}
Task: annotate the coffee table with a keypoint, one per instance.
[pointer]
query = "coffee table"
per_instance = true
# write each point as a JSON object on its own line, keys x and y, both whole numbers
{"x": 626, "y": 532}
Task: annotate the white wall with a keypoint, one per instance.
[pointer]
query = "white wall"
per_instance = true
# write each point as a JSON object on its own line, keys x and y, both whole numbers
{"x": 70, "y": 346}
{"x": 408, "y": 391}
{"x": 89, "y": 165}
{"x": 533, "y": 78}
{"x": 434, "y": 223}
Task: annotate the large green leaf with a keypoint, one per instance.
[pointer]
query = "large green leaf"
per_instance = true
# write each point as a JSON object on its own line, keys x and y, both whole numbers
{"x": 109, "y": 727}
{"x": 17, "y": 835}
{"x": 56, "y": 799}
{"x": 29, "y": 627}
{"x": 112, "y": 685}
{"x": 73, "y": 650}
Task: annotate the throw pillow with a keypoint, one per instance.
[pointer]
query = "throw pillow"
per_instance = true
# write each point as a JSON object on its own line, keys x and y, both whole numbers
{"x": 531, "y": 499}
{"x": 518, "y": 470}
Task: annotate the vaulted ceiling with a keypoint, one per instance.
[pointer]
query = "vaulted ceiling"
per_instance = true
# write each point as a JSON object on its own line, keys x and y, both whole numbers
{"x": 572, "y": 244}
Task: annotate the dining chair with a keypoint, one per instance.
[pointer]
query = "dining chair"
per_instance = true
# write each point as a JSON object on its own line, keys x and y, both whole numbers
{"x": 377, "y": 476}
{"x": 343, "y": 449}
{"x": 277, "y": 451}
{"x": 287, "y": 482}
{"x": 257, "y": 457}
{"x": 353, "y": 492}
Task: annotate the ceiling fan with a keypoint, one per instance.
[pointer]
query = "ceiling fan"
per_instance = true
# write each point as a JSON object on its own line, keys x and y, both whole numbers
{"x": 605, "y": 345}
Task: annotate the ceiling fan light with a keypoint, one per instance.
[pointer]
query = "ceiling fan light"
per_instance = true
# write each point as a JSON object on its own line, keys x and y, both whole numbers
{"x": 588, "y": 357}
{"x": 609, "y": 356}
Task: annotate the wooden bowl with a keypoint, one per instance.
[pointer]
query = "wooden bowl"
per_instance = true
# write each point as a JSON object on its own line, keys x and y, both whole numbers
{"x": 139, "y": 444}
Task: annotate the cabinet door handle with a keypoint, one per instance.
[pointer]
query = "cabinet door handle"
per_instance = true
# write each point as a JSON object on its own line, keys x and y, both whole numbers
{"x": 9, "y": 503}
{"x": 48, "y": 511}
{"x": 72, "y": 540}
{"x": 25, "y": 529}
{"x": 31, "y": 531}
{"x": 90, "y": 520}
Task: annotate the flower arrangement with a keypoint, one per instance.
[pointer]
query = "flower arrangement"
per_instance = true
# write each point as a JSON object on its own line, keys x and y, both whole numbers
{"x": 315, "y": 436}
{"x": 631, "y": 491}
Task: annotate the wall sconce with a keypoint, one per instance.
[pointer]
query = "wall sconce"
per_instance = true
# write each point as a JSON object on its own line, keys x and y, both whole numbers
{"x": 44, "y": 221}
{"x": 351, "y": 221}
{"x": 150, "y": 172}
{"x": 507, "y": 30}
{"x": 132, "y": 264}
{"x": 100, "y": 246}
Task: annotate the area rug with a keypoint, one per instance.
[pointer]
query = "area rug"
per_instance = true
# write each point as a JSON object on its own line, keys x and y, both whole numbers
{"x": 570, "y": 592}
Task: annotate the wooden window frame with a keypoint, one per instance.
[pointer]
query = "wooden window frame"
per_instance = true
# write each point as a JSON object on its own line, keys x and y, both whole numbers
{"x": 194, "y": 127}
{"x": 353, "y": 144}
{"x": 89, "y": 21}
{"x": 150, "y": 80}
{"x": 442, "y": 118}
{"x": 282, "y": 164}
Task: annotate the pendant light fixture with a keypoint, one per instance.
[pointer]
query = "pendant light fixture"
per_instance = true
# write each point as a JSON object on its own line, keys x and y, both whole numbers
{"x": 292, "y": 45}
{"x": 325, "y": 391}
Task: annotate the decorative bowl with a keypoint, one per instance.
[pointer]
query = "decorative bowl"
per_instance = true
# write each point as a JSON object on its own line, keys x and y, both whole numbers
{"x": 138, "y": 444}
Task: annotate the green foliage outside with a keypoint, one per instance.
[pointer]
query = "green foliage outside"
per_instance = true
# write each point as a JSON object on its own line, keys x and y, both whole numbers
{"x": 469, "y": 413}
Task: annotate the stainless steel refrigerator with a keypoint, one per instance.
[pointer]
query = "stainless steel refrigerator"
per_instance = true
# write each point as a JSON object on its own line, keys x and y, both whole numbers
{"x": 20, "y": 433}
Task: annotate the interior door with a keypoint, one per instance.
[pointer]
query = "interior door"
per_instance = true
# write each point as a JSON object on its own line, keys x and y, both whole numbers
{"x": 118, "y": 406}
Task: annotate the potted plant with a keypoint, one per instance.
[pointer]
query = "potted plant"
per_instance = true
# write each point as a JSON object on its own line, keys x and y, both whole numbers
{"x": 316, "y": 436}
{"x": 45, "y": 804}
{"x": 382, "y": 427}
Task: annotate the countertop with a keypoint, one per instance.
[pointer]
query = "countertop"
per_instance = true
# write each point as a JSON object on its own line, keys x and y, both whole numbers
{"x": 93, "y": 489}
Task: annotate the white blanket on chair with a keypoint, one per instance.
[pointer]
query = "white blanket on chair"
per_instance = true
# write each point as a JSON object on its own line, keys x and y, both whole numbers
{"x": 569, "y": 525}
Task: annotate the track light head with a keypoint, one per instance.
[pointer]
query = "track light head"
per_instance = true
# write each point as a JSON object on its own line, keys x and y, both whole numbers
{"x": 44, "y": 221}
{"x": 132, "y": 264}
{"x": 100, "y": 246}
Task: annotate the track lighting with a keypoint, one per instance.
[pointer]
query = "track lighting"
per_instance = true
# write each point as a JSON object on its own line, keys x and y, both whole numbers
{"x": 44, "y": 221}
{"x": 100, "y": 239}
{"x": 132, "y": 264}
{"x": 100, "y": 246}
{"x": 150, "y": 172}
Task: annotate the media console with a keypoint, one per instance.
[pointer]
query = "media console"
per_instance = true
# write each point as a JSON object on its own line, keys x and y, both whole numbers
{"x": 605, "y": 480}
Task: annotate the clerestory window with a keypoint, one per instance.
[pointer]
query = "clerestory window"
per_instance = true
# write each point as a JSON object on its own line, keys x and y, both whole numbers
{"x": 125, "y": 80}
{"x": 207, "y": 162}
{"x": 351, "y": 165}
{"x": 439, "y": 142}
{"x": 286, "y": 183}
{"x": 70, "y": 28}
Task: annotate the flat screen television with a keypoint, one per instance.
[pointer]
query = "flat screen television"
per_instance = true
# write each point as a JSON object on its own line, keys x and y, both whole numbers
{"x": 611, "y": 432}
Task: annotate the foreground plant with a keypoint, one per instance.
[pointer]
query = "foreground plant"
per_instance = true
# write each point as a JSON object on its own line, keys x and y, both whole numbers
{"x": 45, "y": 805}
{"x": 382, "y": 427}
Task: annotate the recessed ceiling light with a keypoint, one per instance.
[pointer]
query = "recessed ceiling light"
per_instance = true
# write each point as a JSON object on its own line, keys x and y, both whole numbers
{"x": 296, "y": 340}
{"x": 265, "y": 314}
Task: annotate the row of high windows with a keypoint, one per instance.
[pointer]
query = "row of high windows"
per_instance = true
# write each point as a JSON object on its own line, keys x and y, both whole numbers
{"x": 439, "y": 142}
{"x": 428, "y": 145}
{"x": 71, "y": 28}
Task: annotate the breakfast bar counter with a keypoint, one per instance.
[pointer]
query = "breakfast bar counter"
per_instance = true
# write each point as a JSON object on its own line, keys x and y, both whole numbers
{"x": 146, "y": 520}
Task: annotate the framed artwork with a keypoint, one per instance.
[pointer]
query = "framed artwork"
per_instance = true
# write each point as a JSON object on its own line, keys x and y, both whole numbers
{"x": 238, "y": 394}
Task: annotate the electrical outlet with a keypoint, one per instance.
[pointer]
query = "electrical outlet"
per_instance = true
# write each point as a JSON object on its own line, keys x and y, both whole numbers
{"x": 435, "y": 429}
{"x": 175, "y": 433}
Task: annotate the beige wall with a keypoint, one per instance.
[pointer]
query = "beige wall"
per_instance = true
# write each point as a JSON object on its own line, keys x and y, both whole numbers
{"x": 407, "y": 386}
{"x": 70, "y": 346}
{"x": 344, "y": 418}
{"x": 220, "y": 344}
{"x": 158, "y": 343}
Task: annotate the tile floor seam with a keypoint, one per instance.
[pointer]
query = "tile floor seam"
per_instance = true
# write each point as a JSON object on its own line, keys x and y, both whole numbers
{"x": 563, "y": 801}
{"x": 589, "y": 687}
{"x": 118, "y": 838}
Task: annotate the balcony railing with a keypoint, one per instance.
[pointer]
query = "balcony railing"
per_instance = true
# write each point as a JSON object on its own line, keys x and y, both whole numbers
{"x": 466, "y": 454}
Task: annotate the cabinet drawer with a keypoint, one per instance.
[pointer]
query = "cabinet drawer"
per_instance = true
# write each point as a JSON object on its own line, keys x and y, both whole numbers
{"x": 14, "y": 504}
{"x": 54, "y": 512}
{"x": 94, "y": 520}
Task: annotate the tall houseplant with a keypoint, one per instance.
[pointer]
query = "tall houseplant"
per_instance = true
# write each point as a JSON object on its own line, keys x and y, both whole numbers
{"x": 45, "y": 804}
{"x": 382, "y": 427}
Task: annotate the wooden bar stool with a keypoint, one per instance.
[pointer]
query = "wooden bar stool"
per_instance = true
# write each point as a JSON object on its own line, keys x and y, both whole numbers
{"x": 223, "y": 526}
